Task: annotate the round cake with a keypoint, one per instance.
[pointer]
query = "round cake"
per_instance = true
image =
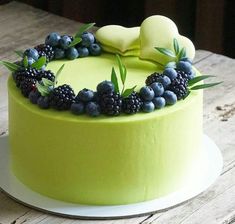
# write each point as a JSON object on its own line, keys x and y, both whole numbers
{"x": 111, "y": 160}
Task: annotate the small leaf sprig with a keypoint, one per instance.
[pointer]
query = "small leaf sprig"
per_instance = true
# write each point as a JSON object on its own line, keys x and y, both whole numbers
{"x": 77, "y": 37}
{"x": 195, "y": 80}
{"x": 123, "y": 74}
{"x": 175, "y": 55}
{"x": 45, "y": 86}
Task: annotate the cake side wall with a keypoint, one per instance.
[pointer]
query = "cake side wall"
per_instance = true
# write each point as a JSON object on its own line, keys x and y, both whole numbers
{"x": 103, "y": 163}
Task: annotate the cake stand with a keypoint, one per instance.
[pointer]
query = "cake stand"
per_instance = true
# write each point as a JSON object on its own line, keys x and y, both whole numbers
{"x": 212, "y": 163}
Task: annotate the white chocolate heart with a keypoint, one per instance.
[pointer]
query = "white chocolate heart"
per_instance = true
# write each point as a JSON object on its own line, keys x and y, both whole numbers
{"x": 118, "y": 38}
{"x": 159, "y": 31}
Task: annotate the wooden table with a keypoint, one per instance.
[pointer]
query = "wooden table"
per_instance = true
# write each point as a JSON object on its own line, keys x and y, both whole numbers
{"x": 22, "y": 26}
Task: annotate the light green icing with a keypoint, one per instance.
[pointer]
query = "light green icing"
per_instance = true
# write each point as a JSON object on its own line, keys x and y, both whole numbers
{"x": 132, "y": 52}
{"x": 159, "y": 31}
{"x": 123, "y": 38}
{"x": 104, "y": 160}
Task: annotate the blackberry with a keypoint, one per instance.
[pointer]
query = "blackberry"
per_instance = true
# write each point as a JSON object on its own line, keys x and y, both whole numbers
{"x": 47, "y": 74}
{"x": 153, "y": 78}
{"x": 27, "y": 85}
{"x": 179, "y": 86}
{"x": 132, "y": 103}
{"x": 110, "y": 103}
{"x": 24, "y": 73}
{"x": 45, "y": 50}
{"x": 183, "y": 74}
{"x": 61, "y": 97}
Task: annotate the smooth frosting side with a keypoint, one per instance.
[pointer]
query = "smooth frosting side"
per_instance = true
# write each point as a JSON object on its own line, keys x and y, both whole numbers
{"x": 116, "y": 160}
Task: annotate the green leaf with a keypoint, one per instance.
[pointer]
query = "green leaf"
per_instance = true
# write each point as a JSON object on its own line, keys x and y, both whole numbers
{"x": 84, "y": 28}
{"x": 166, "y": 51}
{"x": 47, "y": 82}
{"x": 75, "y": 41}
{"x": 39, "y": 63}
{"x": 198, "y": 79}
{"x": 20, "y": 53}
{"x": 176, "y": 46}
{"x": 114, "y": 80}
{"x": 204, "y": 86}
{"x": 25, "y": 62}
{"x": 182, "y": 53}
{"x": 128, "y": 92}
{"x": 122, "y": 69}
{"x": 10, "y": 66}
{"x": 44, "y": 90}
{"x": 58, "y": 73}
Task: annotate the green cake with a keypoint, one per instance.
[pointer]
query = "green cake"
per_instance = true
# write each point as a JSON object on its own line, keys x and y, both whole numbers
{"x": 94, "y": 156}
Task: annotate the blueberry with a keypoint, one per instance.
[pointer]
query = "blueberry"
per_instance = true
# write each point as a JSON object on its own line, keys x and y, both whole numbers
{"x": 95, "y": 49}
{"x": 72, "y": 53}
{"x": 105, "y": 87}
{"x": 157, "y": 88}
{"x": 83, "y": 51}
{"x": 59, "y": 53}
{"x": 87, "y": 39}
{"x": 191, "y": 74}
{"x": 33, "y": 96}
{"x": 165, "y": 81}
{"x": 171, "y": 64}
{"x": 159, "y": 102}
{"x": 65, "y": 41}
{"x": 93, "y": 109}
{"x": 170, "y": 73}
{"x": 52, "y": 39}
{"x": 43, "y": 68}
{"x": 184, "y": 66}
{"x": 32, "y": 53}
{"x": 77, "y": 108}
{"x": 146, "y": 93}
{"x": 30, "y": 61}
{"x": 43, "y": 102}
{"x": 170, "y": 97}
{"x": 85, "y": 95}
{"x": 148, "y": 106}
{"x": 186, "y": 59}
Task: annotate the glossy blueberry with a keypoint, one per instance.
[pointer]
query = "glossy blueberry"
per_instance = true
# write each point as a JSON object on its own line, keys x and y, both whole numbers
{"x": 157, "y": 88}
{"x": 170, "y": 73}
{"x": 105, "y": 87}
{"x": 191, "y": 74}
{"x": 65, "y": 41}
{"x": 159, "y": 102}
{"x": 184, "y": 66}
{"x": 33, "y": 96}
{"x": 32, "y": 53}
{"x": 83, "y": 51}
{"x": 148, "y": 106}
{"x": 43, "y": 102}
{"x": 30, "y": 61}
{"x": 71, "y": 53}
{"x": 43, "y": 68}
{"x": 52, "y": 39}
{"x": 171, "y": 64}
{"x": 93, "y": 109}
{"x": 59, "y": 53}
{"x": 170, "y": 97}
{"x": 147, "y": 93}
{"x": 85, "y": 95}
{"x": 87, "y": 39}
{"x": 95, "y": 49}
{"x": 77, "y": 108}
{"x": 165, "y": 81}
{"x": 186, "y": 59}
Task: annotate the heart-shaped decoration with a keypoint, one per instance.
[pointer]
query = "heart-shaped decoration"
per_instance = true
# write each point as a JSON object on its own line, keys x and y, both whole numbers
{"x": 159, "y": 31}
{"x": 119, "y": 39}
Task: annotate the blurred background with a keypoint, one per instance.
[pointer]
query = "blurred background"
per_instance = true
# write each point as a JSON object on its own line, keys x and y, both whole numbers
{"x": 210, "y": 24}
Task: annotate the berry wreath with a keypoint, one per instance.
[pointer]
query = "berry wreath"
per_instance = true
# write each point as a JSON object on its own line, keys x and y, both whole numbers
{"x": 39, "y": 85}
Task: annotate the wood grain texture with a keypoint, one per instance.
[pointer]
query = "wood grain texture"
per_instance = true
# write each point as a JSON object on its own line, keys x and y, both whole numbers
{"x": 23, "y": 26}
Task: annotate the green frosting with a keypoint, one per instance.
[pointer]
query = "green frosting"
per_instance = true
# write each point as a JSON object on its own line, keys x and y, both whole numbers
{"x": 104, "y": 160}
